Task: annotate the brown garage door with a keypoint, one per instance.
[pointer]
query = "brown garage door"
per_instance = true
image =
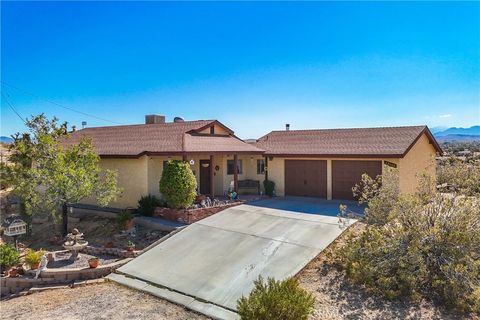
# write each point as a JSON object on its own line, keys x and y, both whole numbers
{"x": 306, "y": 178}
{"x": 347, "y": 173}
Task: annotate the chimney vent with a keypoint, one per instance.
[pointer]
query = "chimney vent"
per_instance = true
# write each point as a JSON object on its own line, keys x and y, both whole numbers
{"x": 287, "y": 127}
{"x": 154, "y": 119}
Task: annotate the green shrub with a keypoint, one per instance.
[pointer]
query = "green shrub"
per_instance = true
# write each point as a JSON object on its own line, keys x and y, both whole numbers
{"x": 178, "y": 184}
{"x": 463, "y": 176}
{"x": 274, "y": 300}
{"x": 123, "y": 217}
{"x": 269, "y": 186}
{"x": 424, "y": 249}
{"x": 33, "y": 257}
{"x": 147, "y": 205}
{"x": 8, "y": 256}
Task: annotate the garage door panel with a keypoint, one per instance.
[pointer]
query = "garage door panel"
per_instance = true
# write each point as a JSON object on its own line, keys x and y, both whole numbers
{"x": 347, "y": 173}
{"x": 306, "y": 178}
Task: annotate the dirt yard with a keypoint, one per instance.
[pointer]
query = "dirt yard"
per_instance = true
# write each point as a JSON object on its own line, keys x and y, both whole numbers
{"x": 101, "y": 301}
{"x": 336, "y": 299}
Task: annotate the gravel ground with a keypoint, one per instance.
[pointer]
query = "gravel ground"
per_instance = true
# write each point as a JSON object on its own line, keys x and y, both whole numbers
{"x": 101, "y": 301}
{"x": 337, "y": 299}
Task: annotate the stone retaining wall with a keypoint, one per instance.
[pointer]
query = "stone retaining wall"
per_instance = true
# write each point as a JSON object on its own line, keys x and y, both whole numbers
{"x": 57, "y": 276}
{"x": 190, "y": 215}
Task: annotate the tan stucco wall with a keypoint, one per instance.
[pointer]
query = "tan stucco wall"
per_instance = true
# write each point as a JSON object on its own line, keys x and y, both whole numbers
{"x": 420, "y": 159}
{"x": 132, "y": 177}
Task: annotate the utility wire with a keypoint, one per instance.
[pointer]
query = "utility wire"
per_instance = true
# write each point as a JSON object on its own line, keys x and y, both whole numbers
{"x": 12, "y": 107}
{"x": 57, "y": 104}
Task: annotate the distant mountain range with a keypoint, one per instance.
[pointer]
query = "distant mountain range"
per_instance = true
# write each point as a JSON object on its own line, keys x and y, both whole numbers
{"x": 457, "y": 134}
{"x": 4, "y": 139}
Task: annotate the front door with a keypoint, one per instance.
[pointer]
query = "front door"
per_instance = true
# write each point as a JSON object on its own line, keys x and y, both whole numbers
{"x": 205, "y": 168}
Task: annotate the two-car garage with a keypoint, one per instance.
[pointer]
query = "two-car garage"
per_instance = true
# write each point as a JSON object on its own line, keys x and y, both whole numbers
{"x": 309, "y": 178}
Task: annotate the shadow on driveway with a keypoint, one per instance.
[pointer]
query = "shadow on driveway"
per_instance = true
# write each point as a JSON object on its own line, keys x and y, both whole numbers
{"x": 308, "y": 205}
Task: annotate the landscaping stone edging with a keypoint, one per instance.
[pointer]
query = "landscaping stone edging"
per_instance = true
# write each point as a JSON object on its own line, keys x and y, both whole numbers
{"x": 58, "y": 276}
{"x": 191, "y": 215}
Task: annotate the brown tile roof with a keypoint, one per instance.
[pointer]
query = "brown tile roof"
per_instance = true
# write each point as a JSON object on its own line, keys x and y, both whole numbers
{"x": 164, "y": 138}
{"x": 359, "y": 142}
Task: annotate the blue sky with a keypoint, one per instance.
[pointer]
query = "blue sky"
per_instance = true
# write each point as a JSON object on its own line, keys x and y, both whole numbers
{"x": 253, "y": 66}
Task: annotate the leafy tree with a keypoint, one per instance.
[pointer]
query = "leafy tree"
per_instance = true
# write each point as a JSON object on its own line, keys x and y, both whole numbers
{"x": 48, "y": 176}
{"x": 272, "y": 300}
{"x": 178, "y": 184}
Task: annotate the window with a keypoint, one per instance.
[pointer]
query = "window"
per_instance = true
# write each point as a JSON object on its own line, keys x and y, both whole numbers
{"x": 230, "y": 167}
{"x": 260, "y": 166}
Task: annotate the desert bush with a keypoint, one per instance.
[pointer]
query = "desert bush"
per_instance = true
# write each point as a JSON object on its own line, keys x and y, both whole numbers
{"x": 380, "y": 194}
{"x": 178, "y": 184}
{"x": 272, "y": 300}
{"x": 147, "y": 205}
{"x": 463, "y": 176}
{"x": 33, "y": 257}
{"x": 269, "y": 186}
{"x": 8, "y": 256}
{"x": 425, "y": 249}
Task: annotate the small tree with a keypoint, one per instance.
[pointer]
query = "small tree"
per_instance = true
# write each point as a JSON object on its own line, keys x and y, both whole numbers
{"x": 48, "y": 176}
{"x": 274, "y": 300}
{"x": 178, "y": 184}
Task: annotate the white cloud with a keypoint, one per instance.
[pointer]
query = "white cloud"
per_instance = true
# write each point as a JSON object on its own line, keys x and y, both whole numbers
{"x": 445, "y": 115}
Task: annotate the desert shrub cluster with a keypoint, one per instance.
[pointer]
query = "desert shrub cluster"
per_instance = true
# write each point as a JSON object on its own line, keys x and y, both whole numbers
{"x": 421, "y": 245}
{"x": 272, "y": 300}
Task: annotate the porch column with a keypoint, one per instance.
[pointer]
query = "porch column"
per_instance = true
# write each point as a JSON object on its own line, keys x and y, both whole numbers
{"x": 212, "y": 177}
{"x": 266, "y": 168}
{"x": 235, "y": 173}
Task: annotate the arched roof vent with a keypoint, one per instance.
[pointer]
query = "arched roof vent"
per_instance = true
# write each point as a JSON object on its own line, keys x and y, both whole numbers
{"x": 178, "y": 119}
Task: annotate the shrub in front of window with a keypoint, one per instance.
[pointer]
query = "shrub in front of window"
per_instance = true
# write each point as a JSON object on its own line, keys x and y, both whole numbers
{"x": 269, "y": 186}
{"x": 273, "y": 300}
{"x": 147, "y": 205}
{"x": 178, "y": 184}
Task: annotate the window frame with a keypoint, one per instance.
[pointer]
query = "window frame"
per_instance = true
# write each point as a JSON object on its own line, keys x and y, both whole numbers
{"x": 261, "y": 165}
{"x": 239, "y": 167}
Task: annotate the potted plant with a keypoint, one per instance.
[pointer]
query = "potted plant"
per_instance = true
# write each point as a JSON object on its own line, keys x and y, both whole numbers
{"x": 130, "y": 246}
{"x": 33, "y": 258}
{"x": 8, "y": 256}
{"x": 12, "y": 273}
{"x": 93, "y": 262}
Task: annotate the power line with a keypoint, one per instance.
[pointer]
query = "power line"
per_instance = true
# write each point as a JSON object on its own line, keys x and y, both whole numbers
{"x": 12, "y": 107}
{"x": 57, "y": 104}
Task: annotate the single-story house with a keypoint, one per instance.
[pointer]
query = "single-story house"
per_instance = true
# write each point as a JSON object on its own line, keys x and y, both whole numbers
{"x": 318, "y": 163}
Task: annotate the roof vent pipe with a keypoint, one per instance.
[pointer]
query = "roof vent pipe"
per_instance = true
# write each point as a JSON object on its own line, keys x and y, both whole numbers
{"x": 287, "y": 127}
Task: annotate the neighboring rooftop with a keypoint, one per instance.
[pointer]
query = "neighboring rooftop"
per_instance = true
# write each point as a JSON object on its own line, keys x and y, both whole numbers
{"x": 358, "y": 142}
{"x": 160, "y": 137}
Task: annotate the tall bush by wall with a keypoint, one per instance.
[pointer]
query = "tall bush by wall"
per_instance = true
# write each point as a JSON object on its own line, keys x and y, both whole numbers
{"x": 178, "y": 184}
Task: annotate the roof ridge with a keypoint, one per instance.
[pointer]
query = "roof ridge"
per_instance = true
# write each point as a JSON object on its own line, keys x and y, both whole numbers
{"x": 337, "y": 129}
{"x": 145, "y": 124}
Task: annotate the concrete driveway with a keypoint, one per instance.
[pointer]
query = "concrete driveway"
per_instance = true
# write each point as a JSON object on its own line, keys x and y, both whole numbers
{"x": 210, "y": 264}
{"x": 308, "y": 205}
